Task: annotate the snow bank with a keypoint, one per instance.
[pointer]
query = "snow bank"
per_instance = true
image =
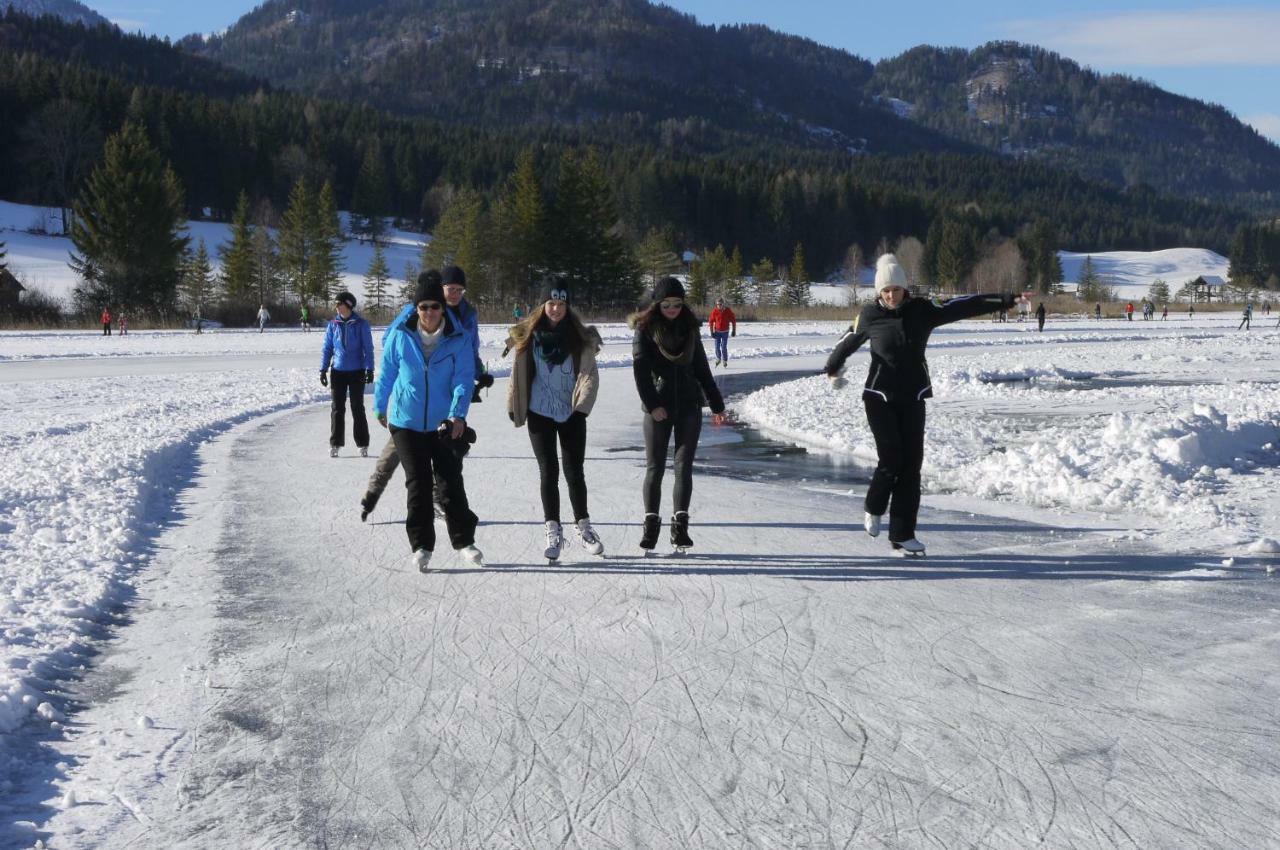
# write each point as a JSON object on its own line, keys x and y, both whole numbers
{"x": 84, "y": 460}
{"x": 1075, "y": 434}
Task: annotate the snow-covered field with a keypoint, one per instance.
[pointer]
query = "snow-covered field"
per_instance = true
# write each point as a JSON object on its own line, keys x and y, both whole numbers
{"x": 202, "y": 646}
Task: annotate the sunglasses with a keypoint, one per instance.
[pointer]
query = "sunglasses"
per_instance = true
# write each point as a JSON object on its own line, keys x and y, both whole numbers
{"x": 670, "y": 305}
{"x": 427, "y": 308}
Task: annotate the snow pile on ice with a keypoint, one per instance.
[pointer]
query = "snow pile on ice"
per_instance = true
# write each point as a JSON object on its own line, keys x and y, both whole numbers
{"x": 1068, "y": 434}
{"x": 87, "y": 462}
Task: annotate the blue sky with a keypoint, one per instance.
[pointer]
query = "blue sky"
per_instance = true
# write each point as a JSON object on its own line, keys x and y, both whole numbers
{"x": 1223, "y": 53}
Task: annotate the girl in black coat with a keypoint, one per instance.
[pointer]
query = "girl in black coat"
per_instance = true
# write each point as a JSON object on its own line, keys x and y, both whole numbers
{"x": 898, "y": 327}
{"x": 674, "y": 381}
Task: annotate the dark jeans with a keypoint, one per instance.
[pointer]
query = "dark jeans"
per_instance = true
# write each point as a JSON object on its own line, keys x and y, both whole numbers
{"x": 340, "y": 384}
{"x": 572, "y": 433}
{"x": 686, "y": 425}
{"x": 106, "y": 329}
{"x": 426, "y": 460}
{"x": 898, "y": 428}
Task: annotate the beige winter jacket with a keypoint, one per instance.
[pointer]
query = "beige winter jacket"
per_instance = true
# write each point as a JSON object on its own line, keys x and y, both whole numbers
{"x": 585, "y": 386}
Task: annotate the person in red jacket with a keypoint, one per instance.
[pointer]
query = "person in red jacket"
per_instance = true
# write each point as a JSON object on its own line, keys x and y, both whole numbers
{"x": 106, "y": 322}
{"x": 723, "y": 324}
{"x": 1128, "y": 311}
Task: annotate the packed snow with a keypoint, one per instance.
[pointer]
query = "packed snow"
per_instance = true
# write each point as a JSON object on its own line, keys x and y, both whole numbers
{"x": 202, "y": 645}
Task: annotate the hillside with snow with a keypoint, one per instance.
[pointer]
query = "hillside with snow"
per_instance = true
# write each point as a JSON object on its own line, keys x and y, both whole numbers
{"x": 1131, "y": 273}
{"x": 40, "y": 261}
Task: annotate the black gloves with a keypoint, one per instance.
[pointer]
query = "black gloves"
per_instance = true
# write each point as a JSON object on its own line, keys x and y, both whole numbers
{"x": 368, "y": 376}
{"x": 733, "y": 332}
{"x": 324, "y": 378}
{"x": 485, "y": 380}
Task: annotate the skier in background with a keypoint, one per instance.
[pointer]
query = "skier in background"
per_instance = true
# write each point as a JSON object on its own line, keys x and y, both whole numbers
{"x": 897, "y": 327}
{"x": 674, "y": 381}
{"x": 723, "y": 324}
{"x": 554, "y": 381}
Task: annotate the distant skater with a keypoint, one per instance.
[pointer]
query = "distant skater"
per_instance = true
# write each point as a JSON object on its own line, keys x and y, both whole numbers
{"x": 1128, "y": 311}
{"x": 554, "y": 381}
{"x": 897, "y": 327}
{"x": 674, "y": 381}
{"x": 304, "y": 317}
{"x": 263, "y": 317}
{"x": 1097, "y": 312}
{"x": 723, "y": 324}
{"x": 1245, "y": 317}
{"x": 348, "y": 348}
{"x": 106, "y": 322}
{"x": 1040, "y": 316}
{"x": 123, "y": 323}
{"x": 1164, "y": 313}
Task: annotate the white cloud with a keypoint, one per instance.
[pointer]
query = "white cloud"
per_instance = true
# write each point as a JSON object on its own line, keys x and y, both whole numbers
{"x": 1267, "y": 123}
{"x": 129, "y": 25}
{"x": 1197, "y": 37}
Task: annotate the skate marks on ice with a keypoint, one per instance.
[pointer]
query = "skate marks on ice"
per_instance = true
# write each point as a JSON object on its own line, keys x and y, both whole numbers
{"x": 709, "y": 704}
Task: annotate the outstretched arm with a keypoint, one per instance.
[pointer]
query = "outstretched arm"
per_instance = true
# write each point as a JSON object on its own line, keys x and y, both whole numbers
{"x": 968, "y": 306}
{"x": 852, "y": 340}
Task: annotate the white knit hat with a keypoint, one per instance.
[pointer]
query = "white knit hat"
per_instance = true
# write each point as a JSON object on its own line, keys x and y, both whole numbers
{"x": 889, "y": 273}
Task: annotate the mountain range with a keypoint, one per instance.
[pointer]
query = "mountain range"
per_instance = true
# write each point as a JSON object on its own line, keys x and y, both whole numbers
{"x": 68, "y": 10}
{"x": 657, "y": 73}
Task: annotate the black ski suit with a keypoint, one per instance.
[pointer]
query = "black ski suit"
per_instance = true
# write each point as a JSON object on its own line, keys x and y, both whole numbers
{"x": 897, "y": 385}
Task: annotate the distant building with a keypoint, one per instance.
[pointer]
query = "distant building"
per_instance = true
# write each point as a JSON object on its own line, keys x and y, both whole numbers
{"x": 10, "y": 289}
{"x": 1206, "y": 287}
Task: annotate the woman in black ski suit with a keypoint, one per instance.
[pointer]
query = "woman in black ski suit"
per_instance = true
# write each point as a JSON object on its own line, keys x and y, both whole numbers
{"x": 898, "y": 327}
{"x": 674, "y": 381}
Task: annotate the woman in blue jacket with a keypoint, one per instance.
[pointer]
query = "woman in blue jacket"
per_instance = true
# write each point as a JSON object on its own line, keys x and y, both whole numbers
{"x": 348, "y": 347}
{"x": 423, "y": 393}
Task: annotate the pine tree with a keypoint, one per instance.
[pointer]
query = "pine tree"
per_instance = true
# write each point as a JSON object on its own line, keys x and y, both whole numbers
{"x": 409, "y": 283}
{"x": 237, "y": 256}
{"x": 127, "y": 228}
{"x": 297, "y": 241}
{"x": 764, "y": 274}
{"x": 797, "y": 284}
{"x": 519, "y": 215}
{"x": 735, "y": 286}
{"x": 375, "y": 283}
{"x": 1040, "y": 248}
{"x": 265, "y": 270}
{"x": 3, "y": 253}
{"x": 325, "y": 278}
{"x": 656, "y": 257}
{"x": 372, "y": 197}
{"x": 1158, "y": 292}
{"x": 197, "y": 290}
{"x": 458, "y": 240}
{"x": 586, "y": 246}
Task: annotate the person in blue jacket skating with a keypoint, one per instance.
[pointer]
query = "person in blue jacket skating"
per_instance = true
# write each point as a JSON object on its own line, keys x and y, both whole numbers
{"x": 423, "y": 394}
{"x": 348, "y": 348}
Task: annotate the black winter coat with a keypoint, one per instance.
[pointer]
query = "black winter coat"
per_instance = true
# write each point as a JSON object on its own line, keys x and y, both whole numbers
{"x": 662, "y": 382}
{"x": 899, "y": 371}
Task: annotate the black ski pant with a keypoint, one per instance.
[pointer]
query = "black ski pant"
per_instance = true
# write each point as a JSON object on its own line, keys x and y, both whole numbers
{"x": 1040, "y": 323}
{"x": 686, "y": 426}
{"x": 342, "y": 384}
{"x": 1244, "y": 323}
{"x": 106, "y": 329}
{"x": 572, "y": 434}
{"x": 429, "y": 462}
{"x": 898, "y": 428}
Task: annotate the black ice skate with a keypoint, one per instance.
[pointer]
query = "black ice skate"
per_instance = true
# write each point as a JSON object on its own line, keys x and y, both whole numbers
{"x": 680, "y": 540}
{"x": 652, "y": 525}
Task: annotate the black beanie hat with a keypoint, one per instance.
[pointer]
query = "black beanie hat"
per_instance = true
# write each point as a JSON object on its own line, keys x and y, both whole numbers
{"x": 555, "y": 288}
{"x": 429, "y": 288}
{"x": 454, "y": 275}
{"x": 345, "y": 298}
{"x": 668, "y": 287}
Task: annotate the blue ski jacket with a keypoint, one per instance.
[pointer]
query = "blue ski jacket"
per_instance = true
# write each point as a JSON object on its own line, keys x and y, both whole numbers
{"x": 348, "y": 344}
{"x": 414, "y": 394}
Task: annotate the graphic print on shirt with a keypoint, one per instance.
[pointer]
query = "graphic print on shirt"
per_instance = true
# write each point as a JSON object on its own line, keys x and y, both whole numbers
{"x": 552, "y": 392}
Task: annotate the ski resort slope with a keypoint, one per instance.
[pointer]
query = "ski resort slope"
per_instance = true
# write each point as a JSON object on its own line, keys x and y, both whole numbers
{"x": 263, "y": 670}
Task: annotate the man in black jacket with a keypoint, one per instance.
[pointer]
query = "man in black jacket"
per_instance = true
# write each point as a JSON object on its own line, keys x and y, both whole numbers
{"x": 897, "y": 327}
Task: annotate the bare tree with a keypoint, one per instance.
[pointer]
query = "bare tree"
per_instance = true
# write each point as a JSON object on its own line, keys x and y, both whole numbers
{"x": 910, "y": 254}
{"x": 1001, "y": 269}
{"x": 64, "y": 140}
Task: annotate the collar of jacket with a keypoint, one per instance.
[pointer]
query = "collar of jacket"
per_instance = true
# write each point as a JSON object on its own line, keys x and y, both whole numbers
{"x": 341, "y": 321}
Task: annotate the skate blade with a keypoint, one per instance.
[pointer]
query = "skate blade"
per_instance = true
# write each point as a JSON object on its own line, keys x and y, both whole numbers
{"x": 903, "y": 553}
